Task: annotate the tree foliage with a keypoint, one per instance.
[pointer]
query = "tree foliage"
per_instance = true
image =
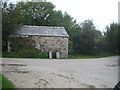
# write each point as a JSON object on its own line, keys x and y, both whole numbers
{"x": 86, "y": 38}
{"x": 112, "y": 36}
{"x": 35, "y": 13}
{"x": 10, "y": 21}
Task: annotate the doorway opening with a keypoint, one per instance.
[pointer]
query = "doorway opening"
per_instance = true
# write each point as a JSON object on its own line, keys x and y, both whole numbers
{"x": 54, "y": 55}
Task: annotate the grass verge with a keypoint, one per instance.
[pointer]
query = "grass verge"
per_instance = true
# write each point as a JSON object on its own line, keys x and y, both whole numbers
{"x": 33, "y": 53}
{"x": 87, "y": 56}
{"x": 25, "y": 54}
{"x": 5, "y": 83}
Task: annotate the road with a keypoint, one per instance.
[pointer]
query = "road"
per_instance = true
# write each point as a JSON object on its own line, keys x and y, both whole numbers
{"x": 61, "y": 73}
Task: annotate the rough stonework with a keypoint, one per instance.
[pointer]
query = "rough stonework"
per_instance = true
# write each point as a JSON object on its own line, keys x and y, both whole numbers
{"x": 53, "y": 40}
{"x": 54, "y": 44}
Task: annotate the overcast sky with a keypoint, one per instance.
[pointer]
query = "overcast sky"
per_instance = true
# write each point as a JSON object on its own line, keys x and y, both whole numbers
{"x": 102, "y": 12}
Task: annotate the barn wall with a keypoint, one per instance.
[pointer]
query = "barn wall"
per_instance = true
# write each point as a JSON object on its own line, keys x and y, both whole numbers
{"x": 46, "y": 44}
{"x": 53, "y": 44}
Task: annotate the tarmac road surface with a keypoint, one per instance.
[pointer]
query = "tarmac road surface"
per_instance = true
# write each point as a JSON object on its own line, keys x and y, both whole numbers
{"x": 61, "y": 73}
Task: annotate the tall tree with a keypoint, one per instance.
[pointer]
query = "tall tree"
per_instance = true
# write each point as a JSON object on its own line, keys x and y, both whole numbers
{"x": 35, "y": 13}
{"x": 85, "y": 39}
{"x": 10, "y": 20}
{"x": 111, "y": 38}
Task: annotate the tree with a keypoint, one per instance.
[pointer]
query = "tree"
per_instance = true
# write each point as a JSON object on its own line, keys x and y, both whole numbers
{"x": 86, "y": 38}
{"x": 111, "y": 38}
{"x": 35, "y": 13}
{"x": 9, "y": 22}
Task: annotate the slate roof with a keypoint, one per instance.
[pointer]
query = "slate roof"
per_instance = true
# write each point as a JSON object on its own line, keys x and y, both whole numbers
{"x": 41, "y": 31}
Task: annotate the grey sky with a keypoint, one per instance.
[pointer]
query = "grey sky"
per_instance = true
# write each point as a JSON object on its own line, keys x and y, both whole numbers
{"x": 102, "y": 12}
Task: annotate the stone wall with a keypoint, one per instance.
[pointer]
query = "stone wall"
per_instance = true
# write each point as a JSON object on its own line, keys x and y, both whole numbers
{"x": 53, "y": 44}
{"x": 57, "y": 45}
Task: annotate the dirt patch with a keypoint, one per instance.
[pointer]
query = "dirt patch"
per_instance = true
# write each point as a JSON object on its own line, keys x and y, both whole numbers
{"x": 104, "y": 86}
{"x": 42, "y": 83}
{"x": 16, "y": 71}
{"x": 13, "y": 64}
{"x": 89, "y": 86}
{"x": 112, "y": 65}
{"x": 62, "y": 76}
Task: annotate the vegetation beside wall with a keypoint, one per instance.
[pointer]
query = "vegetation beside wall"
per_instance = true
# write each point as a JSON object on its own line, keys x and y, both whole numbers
{"x": 24, "y": 53}
{"x": 27, "y": 52}
{"x": 23, "y": 48}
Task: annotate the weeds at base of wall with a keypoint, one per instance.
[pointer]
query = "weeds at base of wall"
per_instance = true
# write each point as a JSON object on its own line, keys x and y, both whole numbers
{"x": 25, "y": 53}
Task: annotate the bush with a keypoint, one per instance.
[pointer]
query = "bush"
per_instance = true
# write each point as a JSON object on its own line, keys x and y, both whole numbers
{"x": 22, "y": 48}
{"x": 28, "y": 52}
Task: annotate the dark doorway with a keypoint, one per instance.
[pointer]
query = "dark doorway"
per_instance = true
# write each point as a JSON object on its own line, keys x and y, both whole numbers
{"x": 53, "y": 54}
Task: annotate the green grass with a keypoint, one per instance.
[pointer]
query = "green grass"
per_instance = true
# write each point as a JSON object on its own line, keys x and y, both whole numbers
{"x": 0, "y": 55}
{"x": 25, "y": 54}
{"x": 5, "y": 83}
{"x": 31, "y": 53}
{"x": 87, "y": 56}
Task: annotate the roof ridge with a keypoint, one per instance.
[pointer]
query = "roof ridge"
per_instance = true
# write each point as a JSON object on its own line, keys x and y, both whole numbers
{"x": 45, "y": 26}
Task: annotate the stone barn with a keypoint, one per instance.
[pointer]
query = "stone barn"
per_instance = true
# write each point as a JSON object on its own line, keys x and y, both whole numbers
{"x": 53, "y": 40}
